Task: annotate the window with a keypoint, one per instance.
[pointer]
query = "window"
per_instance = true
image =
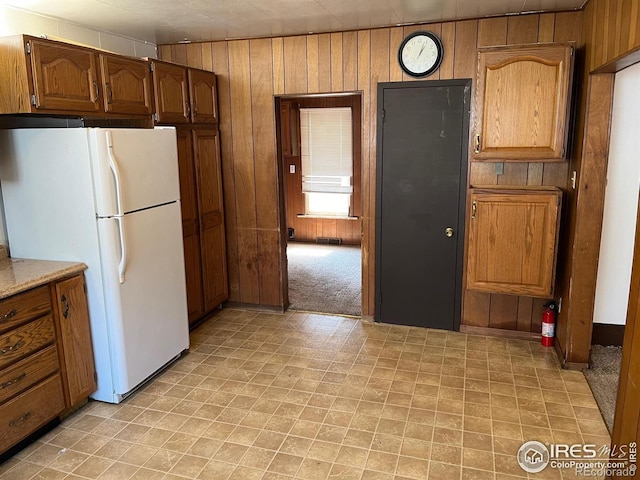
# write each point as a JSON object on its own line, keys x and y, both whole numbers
{"x": 326, "y": 141}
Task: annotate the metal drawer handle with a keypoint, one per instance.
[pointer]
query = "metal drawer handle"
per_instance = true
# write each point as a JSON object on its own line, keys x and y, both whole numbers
{"x": 13, "y": 348}
{"x": 109, "y": 93}
{"x": 14, "y": 381}
{"x": 7, "y": 316}
{"x": 65, "y": 304}
{"x": 15, "y": 422}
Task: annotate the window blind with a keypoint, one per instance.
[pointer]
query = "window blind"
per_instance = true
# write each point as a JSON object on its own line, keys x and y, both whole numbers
{"x": 326, "y": 150}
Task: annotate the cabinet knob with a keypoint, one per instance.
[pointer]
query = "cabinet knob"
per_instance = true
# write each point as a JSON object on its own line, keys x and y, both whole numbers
{"x": 7, "y": 316}
{"x": 448, "y": 232}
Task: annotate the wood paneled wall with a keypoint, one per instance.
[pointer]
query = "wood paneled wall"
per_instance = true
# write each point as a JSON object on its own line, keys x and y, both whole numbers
{"x": 251, "y": 72}
{"x": 611, "y": 38}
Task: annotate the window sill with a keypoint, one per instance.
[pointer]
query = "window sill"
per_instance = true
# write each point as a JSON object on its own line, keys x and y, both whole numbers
{"x": 327, "y": 217}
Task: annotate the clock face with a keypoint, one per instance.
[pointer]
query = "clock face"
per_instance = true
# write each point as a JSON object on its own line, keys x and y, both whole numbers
{"x": 420, "y": 54}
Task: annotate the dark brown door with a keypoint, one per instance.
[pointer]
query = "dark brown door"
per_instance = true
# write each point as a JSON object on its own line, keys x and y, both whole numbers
{"x": 421, "y": 181}
{"x": 211, "y": 216}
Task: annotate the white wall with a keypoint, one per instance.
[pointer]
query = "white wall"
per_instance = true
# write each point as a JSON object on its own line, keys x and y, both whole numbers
{"x": 621, "y": 202}
{"x": 14, "y": 21}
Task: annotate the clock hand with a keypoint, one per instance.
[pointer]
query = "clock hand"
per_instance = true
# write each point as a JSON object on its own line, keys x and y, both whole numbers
{"x": 420, "y": 52}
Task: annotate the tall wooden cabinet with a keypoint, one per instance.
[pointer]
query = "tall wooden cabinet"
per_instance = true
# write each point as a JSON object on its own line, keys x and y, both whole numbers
{"x": 522, "y": 102}
{"x": 513, "y": 237}
{"x": 186, "y": 98}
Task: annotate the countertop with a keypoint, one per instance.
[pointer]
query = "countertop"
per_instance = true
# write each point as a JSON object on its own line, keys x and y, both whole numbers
{"x": 19, "y": 274}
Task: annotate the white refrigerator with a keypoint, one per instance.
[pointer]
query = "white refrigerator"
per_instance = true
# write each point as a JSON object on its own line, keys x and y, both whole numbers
{"x": 109, "y": 198}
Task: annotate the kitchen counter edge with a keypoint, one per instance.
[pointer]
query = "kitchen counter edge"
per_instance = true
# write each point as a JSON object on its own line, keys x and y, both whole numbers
{"x": 21, "y": 274}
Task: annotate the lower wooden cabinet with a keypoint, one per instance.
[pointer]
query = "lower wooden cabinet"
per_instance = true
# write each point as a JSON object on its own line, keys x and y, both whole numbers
{"x": 513, "y": 238}
{"x": 76, "y": 352}
{"x": 46, "y": 357}
{"x": 202, "y": 220}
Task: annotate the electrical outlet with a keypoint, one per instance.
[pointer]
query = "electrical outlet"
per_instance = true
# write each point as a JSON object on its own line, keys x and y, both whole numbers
{"x": 292, "y": 168}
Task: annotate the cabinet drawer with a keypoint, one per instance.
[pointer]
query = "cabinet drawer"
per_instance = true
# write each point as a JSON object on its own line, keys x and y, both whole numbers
{"x": 30, "y": 410}
{"x": 28, "y": 338}
{"x": 27, "y": 372}
{"x": 23, "y": 307}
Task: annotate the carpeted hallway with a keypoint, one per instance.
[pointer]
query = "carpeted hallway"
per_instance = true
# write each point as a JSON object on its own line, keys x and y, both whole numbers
{"x": 325, "y": 278}
{"x": 603, "y": 376}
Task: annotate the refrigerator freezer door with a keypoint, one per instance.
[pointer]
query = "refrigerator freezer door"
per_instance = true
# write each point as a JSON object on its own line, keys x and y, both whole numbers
{"x": 133, "y": 168}
{"x": 147, "y": 313}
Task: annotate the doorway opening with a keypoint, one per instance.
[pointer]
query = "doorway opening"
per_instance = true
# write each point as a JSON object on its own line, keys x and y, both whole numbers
{"x": 617, "y": 245}
{"x": 319, "y": 148}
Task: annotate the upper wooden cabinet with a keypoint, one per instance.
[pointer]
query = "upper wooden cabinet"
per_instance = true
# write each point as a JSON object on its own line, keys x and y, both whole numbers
{"x": 64, "y": 76}
{"x": 171, "y": 88}
{"x": 522, "y": 102}
{"x": 184, "y": 95}
{"x": 512, "y": 243}
{"x": 49, "y": 77}
{"x": 202, "y": 91}
{"x": 126, "y": 85}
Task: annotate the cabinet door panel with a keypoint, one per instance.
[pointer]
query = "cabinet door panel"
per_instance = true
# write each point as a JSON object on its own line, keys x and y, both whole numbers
{"x": 75, "y": 336}
{"x": 213, "y": 248}
{"x": 190, "y": 225}
{"x": 523, "y": 96}
{"x": 64, "y": 77}
{"x": 513, "y": 242}
{"x": 126, "y": 85}
{"x": 171, "y": 93}
{"x": 202, "y": 89}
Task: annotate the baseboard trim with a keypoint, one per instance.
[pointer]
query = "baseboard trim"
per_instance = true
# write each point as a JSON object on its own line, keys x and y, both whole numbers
{"x": 500, "y": 332}
{"x": 254, "y": 307}
{"x": 607, "y": 335}
{"x": 563, "y": 361}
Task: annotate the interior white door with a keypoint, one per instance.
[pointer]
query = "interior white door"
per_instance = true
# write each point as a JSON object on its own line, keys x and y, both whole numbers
{"x": 140, "y": 166}
{"x": 147, "y": 312}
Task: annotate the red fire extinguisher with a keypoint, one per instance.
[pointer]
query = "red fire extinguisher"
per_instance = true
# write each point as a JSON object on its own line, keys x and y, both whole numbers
{"x": 548, "y": 324}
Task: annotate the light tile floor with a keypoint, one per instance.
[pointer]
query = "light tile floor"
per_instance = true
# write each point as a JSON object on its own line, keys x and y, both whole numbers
{"x": 278, "y": 396}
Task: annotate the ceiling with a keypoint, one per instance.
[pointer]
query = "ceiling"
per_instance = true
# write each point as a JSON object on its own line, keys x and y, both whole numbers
{"x": 171, "y": 21}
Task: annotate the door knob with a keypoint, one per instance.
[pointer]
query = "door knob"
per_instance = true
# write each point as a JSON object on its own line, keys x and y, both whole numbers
{"x": 448, "y": 232}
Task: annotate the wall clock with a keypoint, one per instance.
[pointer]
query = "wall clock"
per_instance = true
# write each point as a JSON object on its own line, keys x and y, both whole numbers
{"x": 420, "y": 54}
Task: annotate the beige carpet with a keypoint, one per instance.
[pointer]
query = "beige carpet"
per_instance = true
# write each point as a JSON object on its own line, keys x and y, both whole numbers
{"x": 325, "y": 278}
{"x": 603, "y": 379}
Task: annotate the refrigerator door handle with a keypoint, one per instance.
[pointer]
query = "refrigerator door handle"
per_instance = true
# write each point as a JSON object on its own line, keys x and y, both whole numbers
{"x": 122, "y": 265}
{"x": 113, "y": 164}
